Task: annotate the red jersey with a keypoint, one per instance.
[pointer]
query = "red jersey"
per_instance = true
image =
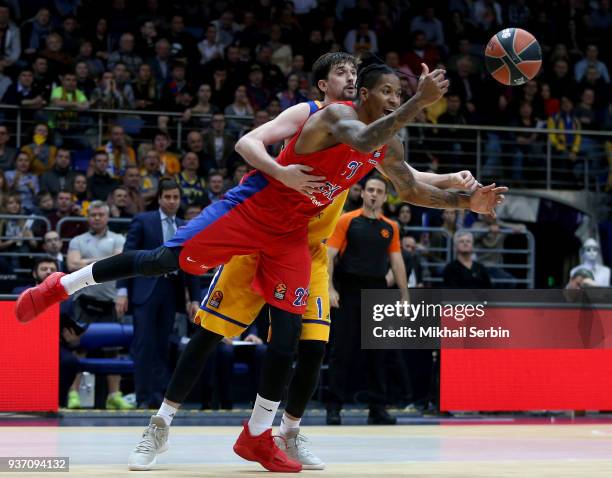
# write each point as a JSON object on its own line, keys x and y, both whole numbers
{"x": 341, "y": 165}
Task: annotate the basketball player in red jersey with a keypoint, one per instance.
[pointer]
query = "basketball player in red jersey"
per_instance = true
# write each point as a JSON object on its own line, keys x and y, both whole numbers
{"x": 252, "y": 219}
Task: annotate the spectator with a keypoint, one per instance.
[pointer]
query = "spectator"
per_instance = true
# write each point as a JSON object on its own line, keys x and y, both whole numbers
{"x": 80, "y": 195}
{"x": 215, "y": 187}
{"x": 42, "y": 153}
{"x": 71, "y": 100}
{"x": 155, "y": 299}
{"x": 392, "y": 59}
{"x": 43, "y": 81}
{"x": 365, "y": 254}
{"x": 590, "y": 59}
{"x": 100, "y": 183}
{"x": 169, "y": 163}
{"x": 145, "y": 43}
{"x": 586, "y": 115}
{"x": 106, "y": 95}
{"x": 438, "y": 242}
{"x": 145, "y": 89}
{"x": 60, "y": 176}
{"x": 121, "y": 154}
{"x": 65, "y": 207}
{"x": 84, "y": 81}
{"x": 560, "y": 81}
{"x": 492, "y": 240}
{"x": 5, "y": 82}
{"x": 240, "y": 107}
{"x": 487, "y": 14}
{"x": 527, "y": 157}
{"x": 150, "y": 176}
{"x": 17, "y": 233}
{"x": 552, "y": 105}
{"x": 282, "y": 54}
{"x": 258, "y": 94}
{"x": 601, "y": 18}
{"x": 191, "y": 211}
{"x": 210, "y": 48}
{"x": 7, "y": 153}
{"x": 195, "y": 144}
{"x": 581, "y": 279}
{"x": 420, "y": 53}
{"x": 354, "y": 200}
{"x": 465, "y": 51}
{"x": 593, "y": 80}
{"x": 291, "y": 96}
{"x": 457, "y": 141}
{"x": 178, "y": 93}
{"x": 160, "y": 63}
{"x": 221, "y": 88}
{"x": 131, "y": 184}
{"x": 567, "y": 145}
{"x": 101, "y": 41}
{"x": 218, "y": 144}
{"x": 23, "y": 93}
{"x": 240, "y": 169}
{"x": 467, "y": 85}
{"x": 193, "y": 187}
{"x": 203, "y": 106}
{"x": 70, "y": 34}
{"x": 125, "y": 54}
{"x": 405, "y": 221}
{"x": 86, "y": 55}
{"x": 10, "y": 41}
{"x": 430, "y": 26}
{"x": 3, "y": 188}
{"x": 226, "y": 28}
{"x": 361, "y": 40}
{"x": 415, "y": 268}
{"x": 52, "y": 245}
{"x": 315, "y": 47}
{"x": 274, "y": 108}
{"x": 273, "y": 77}
{"x": 58, "y": 59}
{"x": 464, "y": 272}
{"x": 96, "y": 304}
{"x": 183, "y": 45}
{"x": 119, "y": 204}
{"x": 23, "y": 181}
{"x": 122, "y": 77}
{"x": 35, "y": 31}
{"x": 519, "y": 14}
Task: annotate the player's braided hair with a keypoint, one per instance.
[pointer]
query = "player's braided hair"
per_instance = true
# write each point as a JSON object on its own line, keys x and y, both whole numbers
{"x": 369, "y": 75}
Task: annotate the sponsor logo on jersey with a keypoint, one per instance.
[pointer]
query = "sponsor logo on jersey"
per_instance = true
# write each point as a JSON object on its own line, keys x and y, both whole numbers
{"x": 279, "y": 291}
{"x": 385, "y": 233}
{"x": 215, "y": 299}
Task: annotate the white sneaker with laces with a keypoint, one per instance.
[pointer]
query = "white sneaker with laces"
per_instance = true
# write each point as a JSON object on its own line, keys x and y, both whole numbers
{"x": 294, "y": 446}
{"x": 154, "y": 441}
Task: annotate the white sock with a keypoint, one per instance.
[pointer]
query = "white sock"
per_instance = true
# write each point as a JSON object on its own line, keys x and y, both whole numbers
{"x": 289, "y": 424}
{"x": 167, "y": 412}
{"x": 78, "y": 280}
{"x": 263, "y": 415}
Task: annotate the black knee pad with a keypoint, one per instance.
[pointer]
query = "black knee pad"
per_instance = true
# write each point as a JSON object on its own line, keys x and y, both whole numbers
{"x": 286, "y": 330}
{"x": 162, "y": 260}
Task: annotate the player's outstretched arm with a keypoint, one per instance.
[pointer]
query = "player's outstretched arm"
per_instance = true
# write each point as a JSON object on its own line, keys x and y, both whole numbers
{"x": 252, "y": 147}
{"x": 345, "y": 127}
{"x": 460, "y": 180}
{"x": 409, "y": 189}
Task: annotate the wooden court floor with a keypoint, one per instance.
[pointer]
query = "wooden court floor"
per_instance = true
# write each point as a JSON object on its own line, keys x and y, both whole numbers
{"x": 351, "y": 451}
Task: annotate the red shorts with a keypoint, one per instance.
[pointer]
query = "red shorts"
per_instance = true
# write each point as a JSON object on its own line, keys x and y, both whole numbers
{"x": 234, "y": 227}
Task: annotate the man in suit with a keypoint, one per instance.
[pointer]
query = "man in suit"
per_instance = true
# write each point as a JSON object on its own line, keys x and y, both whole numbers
{"x": 218, "y": 144}
{"x": 155, "y": 300}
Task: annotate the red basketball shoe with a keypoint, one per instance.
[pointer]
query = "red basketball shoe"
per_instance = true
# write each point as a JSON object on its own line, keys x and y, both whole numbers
{"x": 36, "y": 300}
{"x": 263, "y": 450}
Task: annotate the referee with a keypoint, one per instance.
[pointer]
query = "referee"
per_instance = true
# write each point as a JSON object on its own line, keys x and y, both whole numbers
{"x": 367, "y": 243}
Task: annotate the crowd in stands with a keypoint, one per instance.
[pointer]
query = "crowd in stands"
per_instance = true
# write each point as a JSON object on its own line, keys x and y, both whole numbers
{"x": 188, "y": 79}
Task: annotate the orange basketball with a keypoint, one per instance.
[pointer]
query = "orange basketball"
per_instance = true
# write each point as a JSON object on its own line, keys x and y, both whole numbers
{"x": 513, "y": 56}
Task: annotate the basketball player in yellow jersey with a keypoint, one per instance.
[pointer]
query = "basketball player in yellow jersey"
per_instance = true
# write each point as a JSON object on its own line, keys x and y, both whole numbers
{"x": 230, "y": 305}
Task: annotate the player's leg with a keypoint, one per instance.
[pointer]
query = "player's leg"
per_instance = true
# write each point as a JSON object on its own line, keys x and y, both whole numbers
{"x": 60, "y": 286}
{"x": 282, "y": 279}
{"x": 228, "y": 308}
{"x": 311, "y": 350}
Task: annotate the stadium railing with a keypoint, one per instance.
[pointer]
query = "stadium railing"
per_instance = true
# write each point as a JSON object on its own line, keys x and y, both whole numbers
{"x": 492, "y": 152}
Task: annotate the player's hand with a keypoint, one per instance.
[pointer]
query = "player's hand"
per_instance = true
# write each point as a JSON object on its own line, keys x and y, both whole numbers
{"x": 192, "y": 309}
{"x": 484, "y": 200}
{"x": 432, "y": 86}
{"x": 121, "y": 305}
{"x": 254, "y": 339}
{"x": 295, "y": 176}
{"x": 334, "y": 298}
{"x": 464, "y": 180}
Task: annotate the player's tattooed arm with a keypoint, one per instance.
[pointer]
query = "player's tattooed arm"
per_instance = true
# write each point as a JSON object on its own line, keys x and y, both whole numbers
{"x": 345, "y": 127}
{"x": 410, "y": 190}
